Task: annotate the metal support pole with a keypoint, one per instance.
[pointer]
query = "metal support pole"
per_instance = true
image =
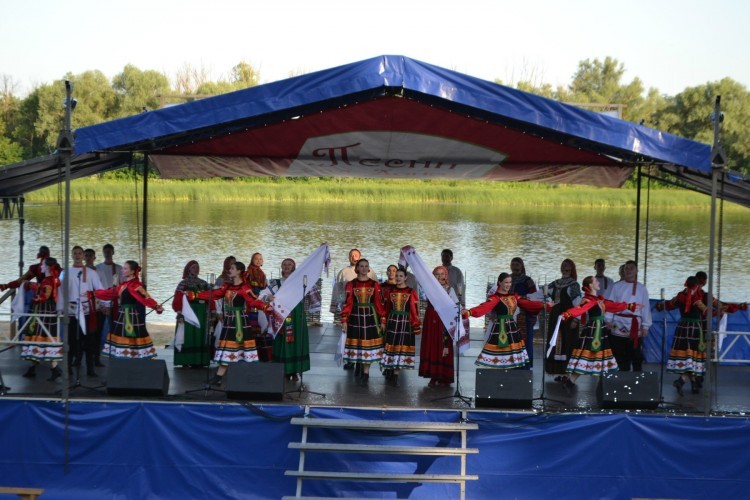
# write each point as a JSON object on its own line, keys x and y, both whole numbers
{"x": 638, "y": 216}
{"x": 21, "y": 222}
{"x": 144, "y": 240}
{"x": 717, "y": 165}
{"x": 65, "y": 149}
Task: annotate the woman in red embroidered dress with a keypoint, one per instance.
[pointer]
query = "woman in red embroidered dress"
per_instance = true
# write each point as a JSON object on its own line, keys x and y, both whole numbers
{"x": 129, "y": 338}
{"x": 256, "y": 279}
{"x": 43, "y": 331}
{"x": 363, "y": 304}
{"x": 436, "y": 350}
{"x": 505, "y": 347}
{"x": 592, "y": 354}
{"x": 401, "y": 322}
{"x": 687, "y": 357}
{"x": 237, "y": 341}
{"x": 389, "y": 283}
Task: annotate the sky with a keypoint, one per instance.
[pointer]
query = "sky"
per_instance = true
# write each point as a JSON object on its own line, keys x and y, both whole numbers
{"x": 669, "y": 45}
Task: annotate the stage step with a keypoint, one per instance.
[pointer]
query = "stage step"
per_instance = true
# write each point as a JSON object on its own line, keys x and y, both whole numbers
{"x": 387, "y": 478}
{"x": 375, "y": 448}
{"x": 384, "y": 426}
{"x": 400, "y": 426}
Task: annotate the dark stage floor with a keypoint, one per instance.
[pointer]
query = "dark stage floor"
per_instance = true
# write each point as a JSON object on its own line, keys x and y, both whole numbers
{"x": 341, "y": 389}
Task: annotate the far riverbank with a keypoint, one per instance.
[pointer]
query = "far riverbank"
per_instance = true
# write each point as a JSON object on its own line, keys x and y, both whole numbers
{"x": 364, "y": 191}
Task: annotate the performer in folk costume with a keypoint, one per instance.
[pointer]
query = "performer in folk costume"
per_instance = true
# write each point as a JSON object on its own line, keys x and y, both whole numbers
{"x": 505, "y": 347}
{"x": 224, "y": 276}
{"x": 34, "y": 273}
{"x": 390, "y": 282}
{"x": 687, "y": 357}
{"x": 193, "y": 349}
{"x": 129, "y": 338}
{"x": 565, "y": 293}
{"x": 401, "y": 322}
{"x": 436, "y": 351}
{"x": 522, "y": 286}
{"x": 43, "y": 331}
{"x": 256, "y": 279}
{"x": 292, "y": 343}
{"x": 592, "y": 353}
{"x": 363, "y": 306}
{"x": 82, "y": 282}
{"x": 237, "y": 341}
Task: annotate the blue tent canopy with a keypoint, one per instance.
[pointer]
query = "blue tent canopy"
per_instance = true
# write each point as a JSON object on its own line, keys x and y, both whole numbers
{"x": 387, "y": 117}
{"x": 397, "y": 111}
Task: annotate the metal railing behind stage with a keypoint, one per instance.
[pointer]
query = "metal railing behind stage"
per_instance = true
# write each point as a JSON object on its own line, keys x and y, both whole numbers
{"x": 727, "y": 344}
{"x": 22, "y": 321}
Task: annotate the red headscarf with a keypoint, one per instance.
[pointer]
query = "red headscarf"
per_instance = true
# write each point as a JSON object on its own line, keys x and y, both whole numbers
{"x": 447, "y": 276}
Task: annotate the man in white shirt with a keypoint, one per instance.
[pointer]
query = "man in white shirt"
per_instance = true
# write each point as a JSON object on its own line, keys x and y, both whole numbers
{"x": 628, "y": 328}
{"x": 109, "y": 275}
{"x": 455, "y": 276}
{"x": 81, "y": 282}
{"x": 605, "y": 283}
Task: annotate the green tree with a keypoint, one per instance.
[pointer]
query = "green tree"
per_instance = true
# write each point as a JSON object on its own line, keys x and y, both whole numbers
{"x": 244, "y": 75}
{"x": 688, "y": 114}
{"x": 136, "y": 89}
{"x": 10, "y": 152}
{"x": 95, "y": 104}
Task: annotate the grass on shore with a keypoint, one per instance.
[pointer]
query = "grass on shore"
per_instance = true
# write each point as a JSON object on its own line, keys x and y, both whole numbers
{"x": 356, "y": 190}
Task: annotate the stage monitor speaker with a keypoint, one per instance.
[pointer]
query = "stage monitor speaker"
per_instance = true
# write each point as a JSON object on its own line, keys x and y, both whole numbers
{"x": 255, "y": 381}
{"x": 629, "y": 390}
{"x": 137, "y": 377}
{"x": 503, "y": 388}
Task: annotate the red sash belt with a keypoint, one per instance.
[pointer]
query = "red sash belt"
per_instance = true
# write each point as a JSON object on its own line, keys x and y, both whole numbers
{"x": 634, "y": 327}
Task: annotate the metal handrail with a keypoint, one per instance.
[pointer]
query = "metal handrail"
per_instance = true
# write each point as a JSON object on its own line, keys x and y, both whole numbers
{"x": 14, "y": 339}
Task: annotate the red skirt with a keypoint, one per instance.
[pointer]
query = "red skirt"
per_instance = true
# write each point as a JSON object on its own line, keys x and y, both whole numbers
{"x": 432, "y": 363}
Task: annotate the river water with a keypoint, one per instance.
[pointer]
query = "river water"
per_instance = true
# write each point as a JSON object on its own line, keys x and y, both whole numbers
{"x": 483, "y": 240}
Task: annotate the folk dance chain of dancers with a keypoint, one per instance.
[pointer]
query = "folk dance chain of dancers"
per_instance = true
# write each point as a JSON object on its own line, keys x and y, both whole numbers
{"x": 600, "y": 329}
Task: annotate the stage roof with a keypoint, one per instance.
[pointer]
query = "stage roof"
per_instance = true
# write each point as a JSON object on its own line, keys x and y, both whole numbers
{"x": 388, "y": 117}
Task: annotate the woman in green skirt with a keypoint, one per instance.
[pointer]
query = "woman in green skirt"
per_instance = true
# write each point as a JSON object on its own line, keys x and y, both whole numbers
{"x": 191, "y": 348}
{"x": 292, "y": 344}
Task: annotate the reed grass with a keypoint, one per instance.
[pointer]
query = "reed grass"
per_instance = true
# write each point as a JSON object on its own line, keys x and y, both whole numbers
{"x": 355, "y": 190}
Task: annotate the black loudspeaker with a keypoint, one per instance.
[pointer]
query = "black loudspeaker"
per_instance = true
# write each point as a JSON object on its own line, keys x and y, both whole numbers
{"x": 503, "y": 388}
{"x": 258, "y": 381}
{"x": 629, "y": 390}
{"x": 137, "y": 377}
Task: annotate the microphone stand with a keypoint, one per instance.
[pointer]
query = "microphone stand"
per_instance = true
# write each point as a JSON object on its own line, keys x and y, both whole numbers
{"x": 207, "y": 387}
{"x": 545, "y": 317}
{"x": 457, "y": 394}
{"x": 81, "y": 349}
{"x": 302, "y": 389}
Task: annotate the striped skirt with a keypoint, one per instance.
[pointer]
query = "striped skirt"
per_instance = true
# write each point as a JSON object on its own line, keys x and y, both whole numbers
{"x": 43, "y": 332}
{"x": 592, "y": 354}
{"x": 688, "y": 353}
{"x": 399, "y": 351}
{"x": 237, "y": 339}
{"x": 129, "y": 338}
{"x": 505, "y": 347}
{"x": 363, "y": 342}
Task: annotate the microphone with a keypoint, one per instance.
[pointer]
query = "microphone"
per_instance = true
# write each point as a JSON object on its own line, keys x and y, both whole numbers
{"x": 304, "y": 280}
{"x": 80, "y": 273}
